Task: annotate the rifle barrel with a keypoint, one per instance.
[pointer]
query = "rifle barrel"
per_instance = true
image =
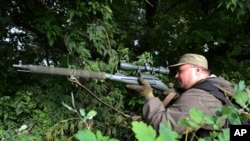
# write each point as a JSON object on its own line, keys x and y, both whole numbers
{"x": 60, "y": 71}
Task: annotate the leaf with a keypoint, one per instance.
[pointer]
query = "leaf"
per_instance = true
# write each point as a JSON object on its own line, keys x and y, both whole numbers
{"x": 161, "y": 138}
{"x": 224, "y": 135}
{"x": 232, "y": 114}
{"x": 82, "y": 112}
{"x": 100, "y": 137}
{"x": 242, "y": 85}
{"x": 143, "y": 132}
{"x": 234, "y": 119}
{"x": 107, "y": 8}
{"x": 85, "y": 135}
{"x": 23, "y": 127}
{"x": 71, "y": 14}
{"x": 196, "y": 115}
{"x": 241, "y": 98}
{"x": 209, "y": 119}
{"x": 113, "y": 140}
{"x": 167, "y": 134}
{"x": 91, "y": 114}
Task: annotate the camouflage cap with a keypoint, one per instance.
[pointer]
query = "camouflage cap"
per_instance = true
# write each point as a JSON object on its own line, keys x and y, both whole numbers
{"x": 194, "y": 59}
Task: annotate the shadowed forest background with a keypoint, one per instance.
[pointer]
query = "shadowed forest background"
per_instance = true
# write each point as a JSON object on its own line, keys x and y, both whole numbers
{"x": 96, "y": 35}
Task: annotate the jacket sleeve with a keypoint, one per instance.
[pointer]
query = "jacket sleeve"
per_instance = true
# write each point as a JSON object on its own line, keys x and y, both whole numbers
{"x": 155, "y": 113}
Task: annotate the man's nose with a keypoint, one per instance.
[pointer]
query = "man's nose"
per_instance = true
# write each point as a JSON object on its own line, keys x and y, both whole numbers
{"x": 176, "y": 75}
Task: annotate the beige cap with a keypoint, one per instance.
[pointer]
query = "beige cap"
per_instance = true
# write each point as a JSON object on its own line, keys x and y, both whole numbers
{"x": 194, "y": 59}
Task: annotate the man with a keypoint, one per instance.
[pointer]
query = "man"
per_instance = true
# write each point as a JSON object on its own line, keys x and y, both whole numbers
{"x": 192, "y": 70}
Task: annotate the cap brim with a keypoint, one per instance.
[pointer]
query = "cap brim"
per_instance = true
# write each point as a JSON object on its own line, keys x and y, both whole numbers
{"x": 176, "y": 65}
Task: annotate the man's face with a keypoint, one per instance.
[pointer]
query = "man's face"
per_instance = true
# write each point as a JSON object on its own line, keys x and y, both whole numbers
{"x": 186, "y": 75}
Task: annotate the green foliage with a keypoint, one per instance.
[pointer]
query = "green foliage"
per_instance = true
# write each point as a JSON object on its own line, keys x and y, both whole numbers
{"x": 242, "y": 95}
{"x": 192, "y": 122}
{"x": 83, "y": 116}
{"x": 96, "y": 35}
{"x": 144, "y": 132}
{"x": 146, "y": 57}
{"x": 20, "y": 105}
{"x": 87, "y": 135}
{"x": 167, "y": 134}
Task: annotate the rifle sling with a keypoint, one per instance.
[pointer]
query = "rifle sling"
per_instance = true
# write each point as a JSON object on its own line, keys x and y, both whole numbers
{"x": 169, "y": 98}
{"x": 208, "y": 86}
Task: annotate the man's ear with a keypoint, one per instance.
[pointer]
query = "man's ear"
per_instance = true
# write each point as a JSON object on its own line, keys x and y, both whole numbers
{"x": 199, "y": 69}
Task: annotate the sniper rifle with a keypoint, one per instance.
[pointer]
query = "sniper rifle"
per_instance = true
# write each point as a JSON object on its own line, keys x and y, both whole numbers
{"x": 152, "y": 80}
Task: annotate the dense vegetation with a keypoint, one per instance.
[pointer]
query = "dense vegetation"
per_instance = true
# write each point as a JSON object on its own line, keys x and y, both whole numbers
{"x": 96, "y": 35}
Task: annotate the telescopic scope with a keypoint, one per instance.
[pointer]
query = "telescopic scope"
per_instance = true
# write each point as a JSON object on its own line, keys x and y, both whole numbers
{"x": 129, "y": 66}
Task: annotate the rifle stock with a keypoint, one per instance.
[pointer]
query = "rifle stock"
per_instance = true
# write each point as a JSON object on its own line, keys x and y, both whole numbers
{"x": 153, "y": 81}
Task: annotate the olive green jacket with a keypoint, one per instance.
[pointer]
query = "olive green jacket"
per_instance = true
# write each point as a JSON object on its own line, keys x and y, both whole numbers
{"x": 155, "y": 113}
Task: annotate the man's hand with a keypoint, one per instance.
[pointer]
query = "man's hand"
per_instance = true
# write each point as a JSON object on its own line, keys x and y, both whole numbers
{"x": 171, "y": 89}
{"x": 144, "y": 89}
